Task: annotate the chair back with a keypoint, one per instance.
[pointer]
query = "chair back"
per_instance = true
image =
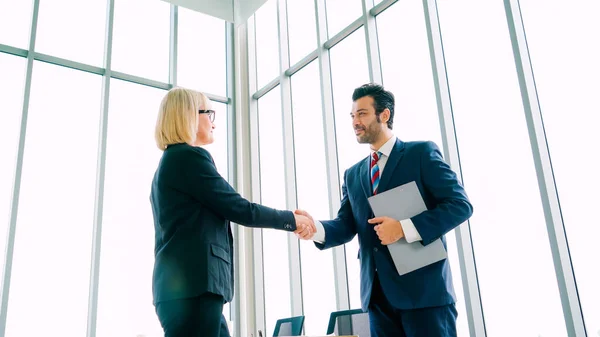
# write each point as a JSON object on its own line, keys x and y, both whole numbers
{"x": 349, "y": 322}
{"x": 291, "y": 326}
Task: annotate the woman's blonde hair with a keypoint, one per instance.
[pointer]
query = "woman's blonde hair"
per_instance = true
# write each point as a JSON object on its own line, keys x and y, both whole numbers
{"x": 177, "y": 120}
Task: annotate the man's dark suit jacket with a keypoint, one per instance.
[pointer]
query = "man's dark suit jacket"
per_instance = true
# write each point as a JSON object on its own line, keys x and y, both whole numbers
{"x": 192, "y": 206}
{"x": 448, "y": 207}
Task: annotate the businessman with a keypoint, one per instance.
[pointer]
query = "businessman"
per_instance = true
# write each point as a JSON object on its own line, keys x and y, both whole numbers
{"x": 420, "y": 303}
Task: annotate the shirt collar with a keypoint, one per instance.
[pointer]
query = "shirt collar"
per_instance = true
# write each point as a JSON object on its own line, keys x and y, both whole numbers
{"x": 386, "y": 149}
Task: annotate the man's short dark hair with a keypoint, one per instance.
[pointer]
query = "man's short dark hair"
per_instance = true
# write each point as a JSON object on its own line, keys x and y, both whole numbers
{"x": 382, "y": 99}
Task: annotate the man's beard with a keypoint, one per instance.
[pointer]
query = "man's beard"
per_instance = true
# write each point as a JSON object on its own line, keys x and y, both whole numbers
{"x": 369, "y": 136}
{"x": 370, "y": 133}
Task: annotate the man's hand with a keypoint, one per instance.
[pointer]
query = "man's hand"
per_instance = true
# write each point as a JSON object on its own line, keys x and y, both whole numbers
{"x": 305, "y": 227}
{"x": 304, "y": 217}
{"x": 388, "y": 230}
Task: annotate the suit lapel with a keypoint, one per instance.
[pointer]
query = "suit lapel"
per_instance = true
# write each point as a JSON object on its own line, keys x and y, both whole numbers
{"x": 390, "y": 166}
{"x": 365, "y": 177}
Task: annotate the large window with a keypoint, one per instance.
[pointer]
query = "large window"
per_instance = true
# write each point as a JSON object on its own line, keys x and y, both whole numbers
{"x": 125, "y": 303}
{"x": 348, "y": 73}
{"x": 272, "y": 191}
{"x": 267, "y": 43}
{"x": 566, "y": 69}
{"x": 56, "y": 207}
{"x": 60, "y": 181}
{"x": 311, "y": 184}
{"x": 516, "y": 276}
{"x": 302, "y": 28}
{"x": 141, "y": 42}
{"x": 406, "y": 68}
{"x": 341, "y": 13}
{"x": 12, "y": 76}
{"x": 56, "y": 34}
{"x": 201, "y": 60}
{"x": 15, "y": 23}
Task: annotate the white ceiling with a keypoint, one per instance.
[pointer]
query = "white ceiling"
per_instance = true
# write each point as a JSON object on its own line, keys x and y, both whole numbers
{"x": 236, "y": 11}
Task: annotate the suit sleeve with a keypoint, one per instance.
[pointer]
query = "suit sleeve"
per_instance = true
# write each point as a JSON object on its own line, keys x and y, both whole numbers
{"x": 342, "y": 229}
{"x": 193, "y": 172}
{"x": 452, "y": 204}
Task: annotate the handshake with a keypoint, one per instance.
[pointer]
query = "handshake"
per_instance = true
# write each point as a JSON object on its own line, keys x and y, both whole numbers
{"x": 388, "y": 230}
{"x": 305, "y": 225}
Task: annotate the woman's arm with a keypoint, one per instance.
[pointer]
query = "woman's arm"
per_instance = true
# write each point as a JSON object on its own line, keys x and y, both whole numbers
{"x": 191, "y": 170}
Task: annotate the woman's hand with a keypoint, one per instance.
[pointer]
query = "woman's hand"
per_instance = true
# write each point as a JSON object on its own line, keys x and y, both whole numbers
{"x": 305, "y": 227}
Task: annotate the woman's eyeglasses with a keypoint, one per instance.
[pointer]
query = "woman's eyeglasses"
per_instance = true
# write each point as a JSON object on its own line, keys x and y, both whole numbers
{"x": 211, "y": 114}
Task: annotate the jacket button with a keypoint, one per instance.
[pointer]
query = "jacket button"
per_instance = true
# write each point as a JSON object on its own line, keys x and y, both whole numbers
{"x": 375, "y": 249}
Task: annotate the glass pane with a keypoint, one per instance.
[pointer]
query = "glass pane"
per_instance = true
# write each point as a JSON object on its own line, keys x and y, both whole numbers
{"x": 267, "y": 43}
{"x": 302, "y": 29}
{"x": 496, "y": 158}
{"x": 406, "y": 66}
{"x": 227, "y": 314}
{"x": 15, "y": 22}
{"x": 311, "y": 176}
{"x": 56, "y": 36}
{"x": 340, "y": 14}
{"x": 275, "y": 243}
{"x": 348, "y": 73}
{"x": 56, "y": 206}
{"x": 218, "y": 149}
{"x": 141, "y": 38}
{"x": 566, "y": 82}
{"x": 201, "y": 59}
{"x": 12, "y": 78}
{"x": 127, "y": 255}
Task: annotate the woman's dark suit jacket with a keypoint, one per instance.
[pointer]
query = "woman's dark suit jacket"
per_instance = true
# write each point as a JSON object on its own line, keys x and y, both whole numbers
{"x": 192, "y": 206}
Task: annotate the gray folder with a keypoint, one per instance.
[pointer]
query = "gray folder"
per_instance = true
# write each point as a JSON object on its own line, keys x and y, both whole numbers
{"x": 400, "y": 203}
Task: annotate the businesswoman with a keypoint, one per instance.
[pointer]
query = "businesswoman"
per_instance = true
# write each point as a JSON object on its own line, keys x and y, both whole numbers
{"x": 192, "y": 206}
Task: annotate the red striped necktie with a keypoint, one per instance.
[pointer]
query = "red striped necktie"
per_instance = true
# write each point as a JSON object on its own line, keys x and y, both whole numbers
{"x": 375, "y": 171}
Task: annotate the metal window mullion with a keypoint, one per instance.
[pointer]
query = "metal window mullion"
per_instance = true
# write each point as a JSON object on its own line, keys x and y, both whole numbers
{"x": 331, "y": 158}
{"x": 139, "y": 80}
{"x": 173, "y": 37}
{"x": 258, "y": 321}
{"x": 265, "y": 89}
{"x": 448, "y": 133}
{"x": 548, "y": 191}
{"x": 375, "y": 74}
{"x": 13, "y": 50}
{"x": 337, "y": 38}
{"x": 234, "y": 311}
{"x": 245, "y": 257}
{"x": 381, "y": 6}
{"x": 68, "y": 63}
{"x": 289, "y": 158}
{"x": 301, "y": 64}
{"x": 12, "y": 226}
{"x": 100, "y": 177}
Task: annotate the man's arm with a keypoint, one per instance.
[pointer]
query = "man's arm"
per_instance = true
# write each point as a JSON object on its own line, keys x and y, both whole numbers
{"x": 331, "y": 233}
{"x": 453, "y": 206}
{"x": 342, "y": 229}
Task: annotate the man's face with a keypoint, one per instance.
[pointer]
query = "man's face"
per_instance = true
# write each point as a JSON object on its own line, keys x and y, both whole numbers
{"x": 367, "y": 126}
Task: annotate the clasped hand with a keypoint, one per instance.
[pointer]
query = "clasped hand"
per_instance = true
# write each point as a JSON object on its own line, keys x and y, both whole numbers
{"x": 305, "y": 225}
{"x": 388, "y": 230}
